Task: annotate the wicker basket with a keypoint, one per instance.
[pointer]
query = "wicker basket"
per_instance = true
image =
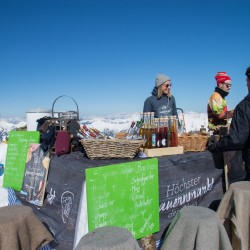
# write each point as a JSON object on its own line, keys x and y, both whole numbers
{"x": 193, "y": 142}
{"x": 111, "y": 148}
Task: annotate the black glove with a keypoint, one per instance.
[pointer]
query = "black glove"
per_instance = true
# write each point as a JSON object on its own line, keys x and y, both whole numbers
{"x": 212, "y": 147}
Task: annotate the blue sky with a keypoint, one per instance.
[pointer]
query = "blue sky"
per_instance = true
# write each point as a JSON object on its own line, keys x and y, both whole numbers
{"x": 106, "y": 54}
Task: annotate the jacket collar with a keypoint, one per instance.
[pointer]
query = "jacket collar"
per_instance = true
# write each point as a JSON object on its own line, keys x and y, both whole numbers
{"x": 222, "y": 92}
{"x": 248, "y": 97}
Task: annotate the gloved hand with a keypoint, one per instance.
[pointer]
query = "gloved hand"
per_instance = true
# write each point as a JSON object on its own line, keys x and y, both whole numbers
{"x": 212, "y": 148}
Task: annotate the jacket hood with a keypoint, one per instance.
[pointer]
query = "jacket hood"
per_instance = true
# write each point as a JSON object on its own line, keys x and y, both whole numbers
{"x": 222, "y": 92}
{"x": 155, "y": 92}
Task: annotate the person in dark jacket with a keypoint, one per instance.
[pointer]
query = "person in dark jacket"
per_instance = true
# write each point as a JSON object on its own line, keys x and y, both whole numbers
{"x": 239, "y": 132}
{"x": 161, "y": 102}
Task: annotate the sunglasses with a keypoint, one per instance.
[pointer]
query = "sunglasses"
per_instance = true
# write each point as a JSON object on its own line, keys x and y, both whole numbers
{"x": 228, "y": 85}
{"x": 168, "y": 85}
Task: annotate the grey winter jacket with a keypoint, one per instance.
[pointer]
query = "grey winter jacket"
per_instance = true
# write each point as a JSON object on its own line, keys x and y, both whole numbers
{"x": 165, "y": 106}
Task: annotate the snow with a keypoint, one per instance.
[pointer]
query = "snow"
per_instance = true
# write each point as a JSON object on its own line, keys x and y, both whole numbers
{"x": 115, "y": 122}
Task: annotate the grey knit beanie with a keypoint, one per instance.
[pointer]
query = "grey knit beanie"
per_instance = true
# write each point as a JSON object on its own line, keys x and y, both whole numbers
{"x": 160, "y": 79}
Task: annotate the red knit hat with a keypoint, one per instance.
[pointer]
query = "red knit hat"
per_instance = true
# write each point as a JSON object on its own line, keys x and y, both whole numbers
{"x": 221, "y": 77}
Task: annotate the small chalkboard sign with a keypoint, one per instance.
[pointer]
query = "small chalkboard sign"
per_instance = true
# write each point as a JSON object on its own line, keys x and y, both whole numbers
{"x": 18, "y": 145}
{"x": 35, "y": 175}
{"x": 124, "y": 195}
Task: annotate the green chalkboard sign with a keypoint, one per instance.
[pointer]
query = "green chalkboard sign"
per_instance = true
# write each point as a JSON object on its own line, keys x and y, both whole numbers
{"x": 124, "y": 195}
{"x": 18, "y": 145}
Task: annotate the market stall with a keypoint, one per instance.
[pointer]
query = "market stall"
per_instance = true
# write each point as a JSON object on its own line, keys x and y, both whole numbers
{"x": 56, "y": 188}
{"x": 187, "y": 179}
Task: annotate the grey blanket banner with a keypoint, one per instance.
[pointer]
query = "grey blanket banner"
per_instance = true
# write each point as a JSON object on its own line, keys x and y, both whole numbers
{"x": 188, "y": 179}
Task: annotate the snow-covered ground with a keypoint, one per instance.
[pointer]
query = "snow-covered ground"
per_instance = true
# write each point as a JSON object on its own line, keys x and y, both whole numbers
{"x": 114, "y": 122}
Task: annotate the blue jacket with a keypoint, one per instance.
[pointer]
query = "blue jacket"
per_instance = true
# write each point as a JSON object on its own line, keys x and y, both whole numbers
{"x": 165, "y": 106}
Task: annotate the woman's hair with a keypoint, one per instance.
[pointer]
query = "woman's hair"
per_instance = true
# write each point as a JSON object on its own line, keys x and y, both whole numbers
{"x": 159, "y": 92}
{"x": 248, "y": 73}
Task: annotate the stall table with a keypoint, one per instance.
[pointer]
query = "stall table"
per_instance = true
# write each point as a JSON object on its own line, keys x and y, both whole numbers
{"x": 187, "y": 179}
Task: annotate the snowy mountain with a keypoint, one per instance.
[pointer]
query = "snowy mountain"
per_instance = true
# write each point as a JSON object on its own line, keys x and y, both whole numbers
{"x": 114, "y": 122}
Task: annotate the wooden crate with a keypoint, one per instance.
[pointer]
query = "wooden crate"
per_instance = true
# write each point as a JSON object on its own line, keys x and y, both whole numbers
{"x": 152, "y": 152}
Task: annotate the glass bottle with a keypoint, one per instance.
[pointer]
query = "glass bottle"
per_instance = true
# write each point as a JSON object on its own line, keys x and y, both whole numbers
{"x": 175, "y": 131}
{"x": 171, "y": 131}
{"x": 203, "y": 129}
{"x": 162, "y": 134}
{"x": 152, "y": 131}
{"x": 157, "y": 137}
{"x": 131, "y": 128}
{"x": 141, "y": 123}
{"x": 88, "y": 132}
{"x": 165, "y": 129}
{"x": 168, "y": 131}
{"x": 148, "y": 131}
{"x": 143, "y": 130}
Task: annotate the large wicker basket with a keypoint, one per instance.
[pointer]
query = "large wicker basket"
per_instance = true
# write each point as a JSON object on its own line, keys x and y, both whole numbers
{"x": 193, "y": 142}
{"x": 111, "y": 148}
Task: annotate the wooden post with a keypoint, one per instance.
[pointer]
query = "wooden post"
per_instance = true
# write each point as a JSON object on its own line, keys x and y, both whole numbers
{"x": 223, "y": 132}
{"x": 226, "y": 172}
{"x": 148, "y": 242}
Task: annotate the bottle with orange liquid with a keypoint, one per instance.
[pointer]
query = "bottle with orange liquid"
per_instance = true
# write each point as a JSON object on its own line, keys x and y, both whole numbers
{"x": 168, "y": 131}
{"x": 173, "y": 132}
{"x": 176, "y": 130}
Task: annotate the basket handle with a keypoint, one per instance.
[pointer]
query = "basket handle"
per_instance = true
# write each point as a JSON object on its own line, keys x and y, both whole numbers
{"x": 70, "y": 98}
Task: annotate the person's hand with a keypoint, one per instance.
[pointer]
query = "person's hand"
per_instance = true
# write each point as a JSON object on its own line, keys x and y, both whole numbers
{"x": 230, "y": 114}
{"x": 212, "y": 148}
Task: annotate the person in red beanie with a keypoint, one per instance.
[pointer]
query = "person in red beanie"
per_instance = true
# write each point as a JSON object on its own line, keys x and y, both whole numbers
{"x": 238, "y": 137}
{"x": 217, "y": 112}
{"x": 218, "y": 125}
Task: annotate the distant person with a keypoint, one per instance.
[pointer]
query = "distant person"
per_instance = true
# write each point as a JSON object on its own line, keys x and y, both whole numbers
{"x": 161, "y": 102}
{"x": 239, "y": 133}
{"x": 217, "y": 112}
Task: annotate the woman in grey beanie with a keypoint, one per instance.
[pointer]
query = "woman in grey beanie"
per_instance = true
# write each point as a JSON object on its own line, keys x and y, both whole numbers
{"x": 161, "y": 102}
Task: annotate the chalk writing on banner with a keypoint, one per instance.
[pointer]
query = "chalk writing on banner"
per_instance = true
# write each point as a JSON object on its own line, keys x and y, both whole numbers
{"x": 124, "y": 195}
{"x": 184, "y": 192}
{"x": 18, "y": 145}
{"x": 67, "y": 201}
{"x": 51, "y": 196}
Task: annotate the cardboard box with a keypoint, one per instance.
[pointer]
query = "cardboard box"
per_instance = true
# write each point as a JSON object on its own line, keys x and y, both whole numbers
{"x": 163, "y": 151}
